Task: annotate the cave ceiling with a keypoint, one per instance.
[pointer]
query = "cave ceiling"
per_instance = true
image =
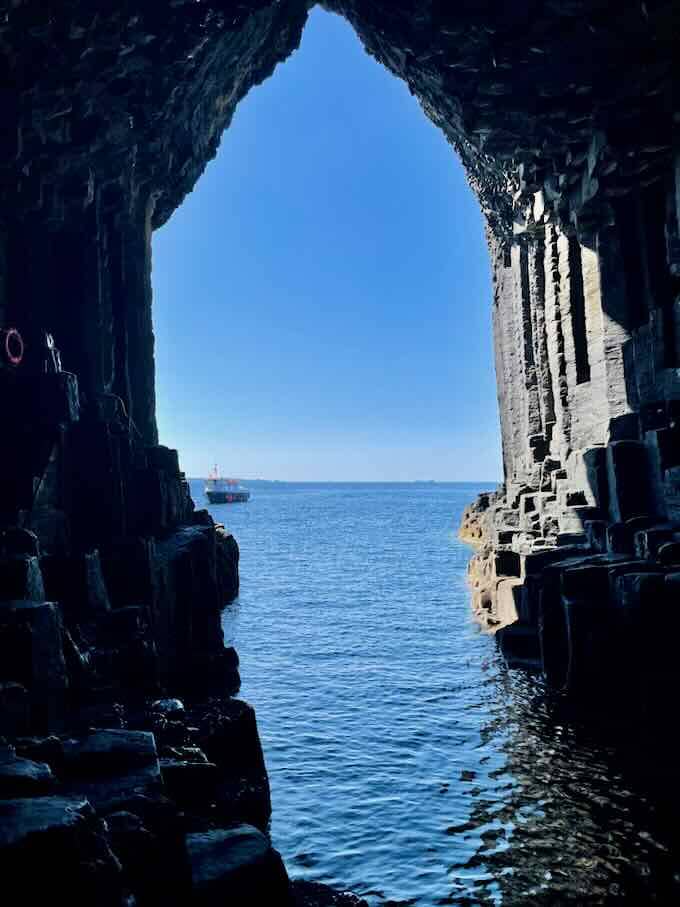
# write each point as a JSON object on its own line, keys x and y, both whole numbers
{"x": 570, "y": 99}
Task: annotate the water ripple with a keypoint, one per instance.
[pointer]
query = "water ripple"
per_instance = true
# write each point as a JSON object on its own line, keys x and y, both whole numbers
{"x": 406, "y": 760}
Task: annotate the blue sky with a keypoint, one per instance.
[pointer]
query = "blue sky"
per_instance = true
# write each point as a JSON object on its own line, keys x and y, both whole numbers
{"x": 322, "y": 300}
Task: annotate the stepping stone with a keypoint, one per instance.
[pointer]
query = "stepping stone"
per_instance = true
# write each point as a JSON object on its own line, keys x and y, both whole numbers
{"x": 109, "y": 752}
{"x": 21, "y": 777}
{"x": 237, "y": 866}
{"x": 110, "y": 767}
{"x": 52, "y": 851}
{"x": 34, "y": 821}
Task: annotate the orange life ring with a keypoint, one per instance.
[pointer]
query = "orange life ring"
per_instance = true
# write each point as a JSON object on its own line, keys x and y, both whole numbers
{"x": 13, "y": 346}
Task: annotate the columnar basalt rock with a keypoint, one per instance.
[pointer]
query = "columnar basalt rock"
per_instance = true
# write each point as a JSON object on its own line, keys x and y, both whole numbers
{"x": 589, "y": 403}
{"x": 565, "y": 116}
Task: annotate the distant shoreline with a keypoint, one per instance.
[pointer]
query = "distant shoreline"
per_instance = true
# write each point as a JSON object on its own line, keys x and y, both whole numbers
{"x": 493, "y": 482}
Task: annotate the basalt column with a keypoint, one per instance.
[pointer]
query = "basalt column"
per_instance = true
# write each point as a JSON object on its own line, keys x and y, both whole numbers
{"x": 129, "y": 267}
{"x": 580, "y": 548}
{"x": 85, "y": 281}
{"x": 97, "y": 525}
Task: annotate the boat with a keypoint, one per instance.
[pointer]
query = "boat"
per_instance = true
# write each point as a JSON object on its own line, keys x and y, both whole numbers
{"x": 219, "y": 490}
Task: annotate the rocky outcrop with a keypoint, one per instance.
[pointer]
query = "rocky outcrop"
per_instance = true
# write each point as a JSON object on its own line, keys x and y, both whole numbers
{"x": 56, "y": 847}
{"x": 109, "y": 579}
{"x": 102, "y": 818}
{"x": 236, "y": 863}
{"x": 587, "y": 612}
{"x": 169, "y": 807}
{"x": 111, "y": 593}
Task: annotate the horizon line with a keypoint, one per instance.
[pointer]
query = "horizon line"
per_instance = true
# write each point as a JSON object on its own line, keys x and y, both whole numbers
{"x": 362, "y": 481}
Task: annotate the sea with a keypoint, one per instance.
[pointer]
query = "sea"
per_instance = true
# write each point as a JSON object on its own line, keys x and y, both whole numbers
{"x": 408, "y": 762}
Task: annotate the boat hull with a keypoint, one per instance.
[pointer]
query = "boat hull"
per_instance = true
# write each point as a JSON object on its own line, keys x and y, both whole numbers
{"x": 227, "y": 497}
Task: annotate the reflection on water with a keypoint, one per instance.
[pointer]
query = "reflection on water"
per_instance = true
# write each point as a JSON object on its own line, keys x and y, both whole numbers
{"x": 564, "y": 820}
{"x": 406, "y": 760}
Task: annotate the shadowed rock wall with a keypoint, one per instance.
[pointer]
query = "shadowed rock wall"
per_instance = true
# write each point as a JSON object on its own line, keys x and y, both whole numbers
{"x": 565, "y": 116}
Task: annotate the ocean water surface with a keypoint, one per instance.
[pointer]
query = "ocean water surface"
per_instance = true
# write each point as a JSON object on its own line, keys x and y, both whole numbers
{"x": 407, "y": 761}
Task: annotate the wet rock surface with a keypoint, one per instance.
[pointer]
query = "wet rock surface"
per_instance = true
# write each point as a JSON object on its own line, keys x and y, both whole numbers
{"x": 22, "y": 777}
{"x": 108, "y": 819}
{"x": 237, "y": 863}
{"x": 55, "y": 847}
{"x": 585, "y": 615}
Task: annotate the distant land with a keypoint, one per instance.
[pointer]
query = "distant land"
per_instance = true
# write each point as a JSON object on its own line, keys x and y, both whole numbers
{"x": 356, "y": 481}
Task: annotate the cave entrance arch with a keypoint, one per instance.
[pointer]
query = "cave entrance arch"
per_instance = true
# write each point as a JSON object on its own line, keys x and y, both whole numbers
{"x": 532, "y": 102}
{"x": 565, "y": 117}
{"x": 337, "y": 257}
{"x": 111, "y": 117}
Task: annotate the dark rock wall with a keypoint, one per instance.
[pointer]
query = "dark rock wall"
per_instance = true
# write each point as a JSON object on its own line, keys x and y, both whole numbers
{"x": 113, "y": 111}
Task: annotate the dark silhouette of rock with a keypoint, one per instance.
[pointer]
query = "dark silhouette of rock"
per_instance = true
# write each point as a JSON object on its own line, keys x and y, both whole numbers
{"x": 111, "y": 766}
{"x": 106, "y": 751}
{"x": 227, "y": 565}
{"x": 19, "y": 542}
{"x": 77, "y": 583}
{"x": 237, "y": 865}
{"x": 190, "y": 782}
{"x": 227, "y": 734}
{"x": 42, "y": 749}
{"x": 22, "y": 578}
{"x": 168, "y": 707}
{"x": 668, "y": 554}
{"x": 15, "y": 714}
{"x": 140, "y": 853}
{"x": 32, "y": 653}
{"x": 21, "y": 777}
{"x": 53, "y": 847}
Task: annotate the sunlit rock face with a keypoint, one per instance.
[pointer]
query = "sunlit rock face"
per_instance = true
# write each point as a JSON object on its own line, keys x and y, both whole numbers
{"x": 565, "y": 117}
